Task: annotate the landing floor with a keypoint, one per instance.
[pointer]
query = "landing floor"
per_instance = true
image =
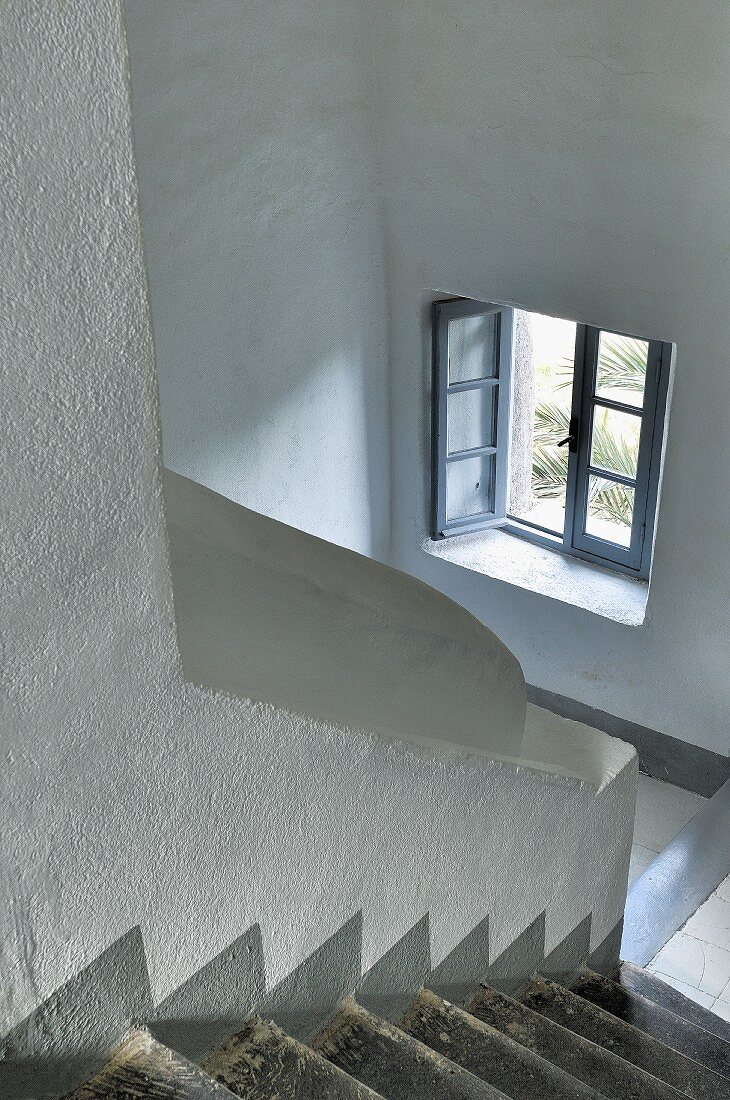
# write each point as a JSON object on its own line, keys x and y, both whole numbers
{"x": 696, "y": 961}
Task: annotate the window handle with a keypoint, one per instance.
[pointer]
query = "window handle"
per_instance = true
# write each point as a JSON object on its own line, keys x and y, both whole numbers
{"x": 572, "y": 438}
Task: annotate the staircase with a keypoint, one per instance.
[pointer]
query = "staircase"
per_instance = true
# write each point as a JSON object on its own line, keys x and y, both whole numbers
{"x": 630, "y": 1038}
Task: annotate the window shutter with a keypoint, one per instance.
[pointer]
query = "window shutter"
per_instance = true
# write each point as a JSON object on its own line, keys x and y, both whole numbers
{"x": 472, "y": 360}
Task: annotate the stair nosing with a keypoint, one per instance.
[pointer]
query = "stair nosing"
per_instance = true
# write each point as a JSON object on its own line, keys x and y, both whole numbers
{"x": 661, "y": 1010}
{"x": 351, "y": 1007}
{"x": 582, "y": 1039}
{"x": 548, "y": 982}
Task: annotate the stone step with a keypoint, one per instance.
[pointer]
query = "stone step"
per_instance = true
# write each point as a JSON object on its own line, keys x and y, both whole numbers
{"x": 261, "y": 1062}
{"x": 143, "y": 1069}
{"x": 648, "y": 985}
{"x": 600, "y": 1027}
{"x": 661, "y": 1023}
{"x": 596, "y": 1066}
{"x": 488, "y": 1053}
{"x": 396, "y": 1065}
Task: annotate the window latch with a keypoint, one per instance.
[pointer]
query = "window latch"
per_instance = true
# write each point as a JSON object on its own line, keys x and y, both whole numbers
{"x": 572, "y": 438}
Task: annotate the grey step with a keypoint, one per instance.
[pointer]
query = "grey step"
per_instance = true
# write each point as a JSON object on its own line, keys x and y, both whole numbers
{"x": 600, "y": 1027}
{"x": 604, "y": 1071}
{"x": 264, "y": 1063}
{"x": 489, "y": 1054}
{"x": 641, "y": 981}
{"x": 395, "y": 1064}
{"x": 143, "y": 1069}
{"x": 661, "y": 1023}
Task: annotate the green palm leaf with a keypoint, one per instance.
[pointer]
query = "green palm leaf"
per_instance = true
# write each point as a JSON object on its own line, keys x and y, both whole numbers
{"x": 550, "y": 463}
{"x": 612, "y": 502}
{"x": 622, "y": 363}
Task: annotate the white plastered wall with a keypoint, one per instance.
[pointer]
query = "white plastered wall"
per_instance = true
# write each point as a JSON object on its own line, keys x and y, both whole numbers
{"x": 571, "y": 157}
{"x": 263, "y": 239}
{"x": 307, "y": 168}
{"x": 129, "y": 795}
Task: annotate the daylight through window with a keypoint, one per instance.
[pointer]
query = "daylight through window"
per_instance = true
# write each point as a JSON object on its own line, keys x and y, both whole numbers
{"x": 549, "y": 428}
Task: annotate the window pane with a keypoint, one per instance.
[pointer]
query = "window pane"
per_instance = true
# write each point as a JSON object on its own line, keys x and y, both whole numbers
{"x": 472, "y": 347}
{"x": 542, "y": 382}
{"x": 615, "y": 441}
{"x": 469, "y": 487}
{"x": 471, "y": 419}
{"x": 622, "y": 368}
{"x": 610, "y": 511}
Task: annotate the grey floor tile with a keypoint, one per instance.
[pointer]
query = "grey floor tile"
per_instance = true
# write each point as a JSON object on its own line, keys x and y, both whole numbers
{"x": 711, "y": 922}
{"x": 701, "y": 965}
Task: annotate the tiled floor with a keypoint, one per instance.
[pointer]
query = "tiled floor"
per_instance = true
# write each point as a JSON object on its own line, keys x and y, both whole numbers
{"x": 696, "y": 961}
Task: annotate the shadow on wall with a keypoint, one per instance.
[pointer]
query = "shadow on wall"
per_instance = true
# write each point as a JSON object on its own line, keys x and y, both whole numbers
{"x": 69, "y": 1036}
{"x": 267, "y": 612}
{"x": 260, "y": 208}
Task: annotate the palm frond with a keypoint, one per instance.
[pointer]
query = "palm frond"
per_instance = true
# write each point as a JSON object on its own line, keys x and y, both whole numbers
{"x": 549, "y": 472}
{"x": 550, "y": 464}
{"x": 622, "y": 366}
{"x": 611, "y": 502}
{"x": 622, "y": 363}
{"x": 611, "y": 452}
{"x": 551, "y": 419}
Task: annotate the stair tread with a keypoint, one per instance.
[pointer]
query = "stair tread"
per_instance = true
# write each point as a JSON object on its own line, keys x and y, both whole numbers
{"x": 143, "y": 1069}
{"x": 606, "y": 1072}
{"x": 395, "y": 1064}
{"x": 661, "y": 993}
{"x": 661, "y": 1023}
{"x": 586, "y": 1019}
{"x": 488, "y": 1053}
{"x": 265, "y": 1063}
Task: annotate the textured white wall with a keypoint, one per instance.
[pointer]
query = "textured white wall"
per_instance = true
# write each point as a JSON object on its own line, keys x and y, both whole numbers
{"x": 263, "y": 239}
{"x": 566, "y": 156}
{"x": 572, "y": 157}
{"x": 268, "y": 612}
{"x": 130, "y": 796}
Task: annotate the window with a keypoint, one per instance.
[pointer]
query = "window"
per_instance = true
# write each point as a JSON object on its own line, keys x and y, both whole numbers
{"x": 549, "y": 429}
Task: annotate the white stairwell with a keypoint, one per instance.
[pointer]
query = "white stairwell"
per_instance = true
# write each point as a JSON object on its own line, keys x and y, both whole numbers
{"x": 249, "y": 776}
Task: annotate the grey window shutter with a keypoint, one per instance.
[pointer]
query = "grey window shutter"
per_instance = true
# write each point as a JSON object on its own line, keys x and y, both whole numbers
{"x": 472, "y": 360}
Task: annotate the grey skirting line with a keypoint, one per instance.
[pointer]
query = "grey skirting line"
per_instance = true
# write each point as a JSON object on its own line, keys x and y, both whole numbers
{"x": 660, "y": 756}
{"x": 678, "y": 881}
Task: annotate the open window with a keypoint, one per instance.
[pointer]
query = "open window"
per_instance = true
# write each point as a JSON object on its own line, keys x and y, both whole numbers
{"x": 548, "y": 428}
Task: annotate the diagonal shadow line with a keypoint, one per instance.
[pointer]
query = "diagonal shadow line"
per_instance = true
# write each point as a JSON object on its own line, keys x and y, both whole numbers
{"x": 570, "y": 954}
{"x": 215, "y": 1001}
{"x": 67, "y": 1038}
{"x": 306, "y": 999}
{"x": 513, "y": 968}
{"x": 390, "y": 985}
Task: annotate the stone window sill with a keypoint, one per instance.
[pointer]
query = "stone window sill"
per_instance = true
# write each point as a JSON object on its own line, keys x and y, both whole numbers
{"x": 509, "y": 558}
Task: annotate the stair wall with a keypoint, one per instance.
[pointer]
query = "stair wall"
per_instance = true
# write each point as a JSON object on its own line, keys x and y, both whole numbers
{"x": 132, "y": 798}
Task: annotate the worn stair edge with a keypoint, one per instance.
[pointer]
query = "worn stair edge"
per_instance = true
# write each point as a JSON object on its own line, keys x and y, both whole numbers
{"x": 600, "y": 1027}
{"x": 681, "y": 1035}
{"x": 601, "y": 1069}
{"x": 489, "y": 1054}
{"x": 393, "y": 1063}
{"x": 143, "y": 1069}
{"x": 661, "y": 993}
{"x": 263, "y": 1062}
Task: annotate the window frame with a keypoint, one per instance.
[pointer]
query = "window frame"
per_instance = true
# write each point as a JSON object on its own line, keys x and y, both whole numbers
{"x": 500, "y": 382}
{"x": 575, "y": 542}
